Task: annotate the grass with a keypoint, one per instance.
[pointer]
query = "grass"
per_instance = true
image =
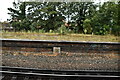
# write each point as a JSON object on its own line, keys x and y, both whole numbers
{"x": 56, "y": 36}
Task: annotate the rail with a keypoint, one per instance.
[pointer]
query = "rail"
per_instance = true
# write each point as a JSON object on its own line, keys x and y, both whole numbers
{"x": 14, "y": 72}
{"x": 64, "y": 46}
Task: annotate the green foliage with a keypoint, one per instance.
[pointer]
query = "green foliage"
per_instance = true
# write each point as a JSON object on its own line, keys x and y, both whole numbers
{"x": 116, "y": 30}
{"x": 41, "y": 31}
{"x": 87, "y": 26}
{"x": 62, "y": 30}
{"x": 51, "y": 31}
{"x": 49, "y": 16}
{"x": 19, "y": 12}
{"x": 102, "y": 30}
{"x": 16, "y": 25}
{"x": 33, "y": 26}
{"x": 25, "y": 24}
{"x": 22, "y": 25}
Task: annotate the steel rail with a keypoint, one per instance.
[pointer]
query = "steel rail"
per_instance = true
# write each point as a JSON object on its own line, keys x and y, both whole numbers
{"x": 61, "y": 71}
{"x": 57, "y": 75}
{"x": 62, "y": 41}
{"x": 20, "y": 73}
{"x": 6, "y": 69}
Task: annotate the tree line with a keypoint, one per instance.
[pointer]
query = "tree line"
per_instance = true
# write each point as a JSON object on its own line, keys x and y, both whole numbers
{"x": 80, "y": 17}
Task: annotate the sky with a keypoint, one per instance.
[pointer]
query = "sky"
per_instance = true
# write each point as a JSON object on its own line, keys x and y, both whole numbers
{"x": 4, "y": 4}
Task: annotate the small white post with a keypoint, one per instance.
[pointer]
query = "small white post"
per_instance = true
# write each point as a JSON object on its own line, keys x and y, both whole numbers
{"x": 56, "y": 50}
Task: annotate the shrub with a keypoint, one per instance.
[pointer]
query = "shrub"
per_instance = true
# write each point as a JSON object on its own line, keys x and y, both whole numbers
{"x": 116, "y": 30}
{"x": 41, "y": 31}
{"x": 87, "y": 26}
{"x": 21, "y": 25}
{"x": 51, "y": 31}
{"x": 33, "y": 26}
{"x": 16, "y": 25}
{"x": 102, "y": 30}
{"x": 62, "y": 30}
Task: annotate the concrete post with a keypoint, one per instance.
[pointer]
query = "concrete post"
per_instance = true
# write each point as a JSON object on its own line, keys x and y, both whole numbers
{"x": 56, "y": 50}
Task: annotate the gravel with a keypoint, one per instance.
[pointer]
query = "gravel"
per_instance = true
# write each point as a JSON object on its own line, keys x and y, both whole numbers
{"x": 69, "y": 61}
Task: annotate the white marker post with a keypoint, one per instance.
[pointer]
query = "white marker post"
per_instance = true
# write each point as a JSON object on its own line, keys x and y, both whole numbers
{"x": 56, "y": 50}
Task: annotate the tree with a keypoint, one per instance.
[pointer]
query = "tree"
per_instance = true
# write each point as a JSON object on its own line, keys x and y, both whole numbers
{"x": 82, "y": 17}
{"x": 19, "y": 20}
{"x": 19, "y": 12}
{"x": 106, "y": 18}
{"x": 82, "y": 11}
{"x": 46, "y": 14}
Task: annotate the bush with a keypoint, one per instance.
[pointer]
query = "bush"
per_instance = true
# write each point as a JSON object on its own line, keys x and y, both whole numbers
{"x": 87, "y": 26}
{"x": 62, "y": 30}
{"x": 116, "y": 30}
{"x": 102, "y": 30}
{"x": 41, "y": 31}
{"x": 21, "y": 25}
{"x": 33, "y": 26}
{"x": 16, "y": 25}
{"x": 51, "y": 31}
{"x": 25, "y": 25}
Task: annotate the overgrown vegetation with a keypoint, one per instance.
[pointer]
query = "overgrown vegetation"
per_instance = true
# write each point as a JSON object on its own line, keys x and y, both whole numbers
{"x": 56, "y": 36}
{"x": 66, "y": 17}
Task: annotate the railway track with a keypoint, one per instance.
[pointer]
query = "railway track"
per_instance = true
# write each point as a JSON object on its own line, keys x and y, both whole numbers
{"x": 19, "y": 73}
{"x": 64, "y": 46}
